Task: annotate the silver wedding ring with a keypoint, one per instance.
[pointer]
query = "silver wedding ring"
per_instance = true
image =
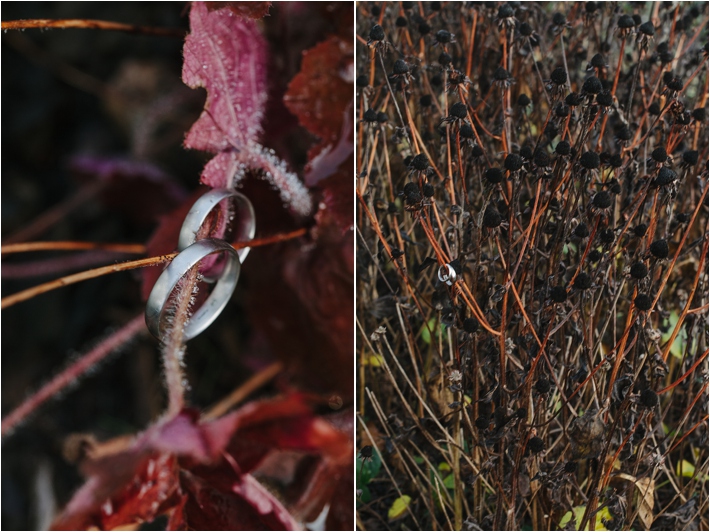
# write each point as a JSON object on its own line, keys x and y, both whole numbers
{"x": 244, "y": 219}
{"x": 447, "y": 274}
{"x": 156, "y": 313}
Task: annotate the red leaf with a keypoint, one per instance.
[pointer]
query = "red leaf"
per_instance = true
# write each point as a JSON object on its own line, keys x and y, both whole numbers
{"x": 140, "y": 481}
{"x": 242, "y": 504}
{"x": 226, "y": 55}
{"x": 243, "y": 9}
{"x": 321, "y": 92}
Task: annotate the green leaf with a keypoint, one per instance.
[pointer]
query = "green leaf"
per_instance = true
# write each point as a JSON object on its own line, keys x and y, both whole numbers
{"x": 684, "y": 469}
{"x": 399, "y": 506}
{"x": 579, "y": 513}
{"x": 449, "y": 481}
{"x": 367, "y": 469}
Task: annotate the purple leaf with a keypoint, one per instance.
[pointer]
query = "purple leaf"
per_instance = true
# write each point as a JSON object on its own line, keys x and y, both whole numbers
{"x": 226, "y": 55}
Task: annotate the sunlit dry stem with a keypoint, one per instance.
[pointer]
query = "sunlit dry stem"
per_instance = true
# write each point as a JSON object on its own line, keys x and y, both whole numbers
{"x": 70, "y": 246}
{"x": 91, "y": 25}
{"x": 130, "y": 265}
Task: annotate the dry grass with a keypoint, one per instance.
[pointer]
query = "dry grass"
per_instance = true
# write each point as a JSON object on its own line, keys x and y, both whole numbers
{"x": 550, "y": 379}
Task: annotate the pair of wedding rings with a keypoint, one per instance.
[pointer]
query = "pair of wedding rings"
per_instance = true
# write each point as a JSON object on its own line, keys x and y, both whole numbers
{"x": 192, "y": 252}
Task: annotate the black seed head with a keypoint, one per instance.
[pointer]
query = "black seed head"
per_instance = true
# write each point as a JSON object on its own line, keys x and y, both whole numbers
{"x": 573, "y": 99}
{"x": 526, "y": 29}
{"x": 443, "y": 36}
{"x": 638, "y": 270}
{"x": 690, "y": 157}
{"x": 673, "y": 83}
{"x": 666, "y": 57}
{"x": 682, "y": 218}
{"x": 377, "y": 33}
{"x": 659, "y": 248}
{"x": 558, "y": 19}
{"x": 571, "y": 467}
{"x": 640, "y": 230}
{"x": 382, "y": 117}
{"x": 466, "y": 131}
{"x": 526, "y": 153}
{"x": 419, "y": 162}
{"x": 591, "y": 7}
{"x": 424, "y": 28}
{"x": 523, "y": 100}
{"x": 362, "y": 81}
{"x": 542, "y": 385}
{"x": 410, "y": 188}
{"x": 558, "y": 294}
{"x": 625, "y": 22}
{"x": 401, "y": 22}
{"x": 637, "y": 19}
{"x": 647, "y": 29}
{"x": 665, "y": 177}
{"x": 654, "y": 109}
{"x": 458, "y": 110}
{"x": 623, "y": 134}
{"x": 562, "y": 110}
{"x": 643, "y": 302}
{"x": 426, "y": 100}
{"x": 582, "y": 231}
{"x": 649, "y": 398}
{"x": 444, "y": 59}
{"x": 491, "y": 217}
{"x": 563, "y": 148}
{"x": 659, "y": 155}
{"x": 605, "y": 98}
{"x": 400, "y": 67}
{"x": 606, "y": 236}
{"x": 589, "y": 160}
{"x": 594, "y": 255}
{"x": 370, "y": 116}
{"x": 615, "y": 187}
{"x": 542, "y": 158}
{"x": 505, "y": 11}
{"x": 476, "y": 151}
{"x": 559, "y": 76}
{"x": 470, "y": 325}
{"x": 494, "y": 175}
{"x": 700, "y": 114}
{"x": 598, "y": 61}
{"x": 615, "y": 161}
{"x": 428, "y": 190}
{"x": 501, "y": 74}
{"x": 536, "y": 445}
{"x": 392, "y": 208}
{"x": 375, "y": 11}
{"x": 583, "y": 281}
{"x": 513, "y": 162}
{"x": 592, "y": 86}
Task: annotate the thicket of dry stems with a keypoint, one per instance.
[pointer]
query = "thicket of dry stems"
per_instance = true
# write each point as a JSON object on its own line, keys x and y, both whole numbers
{"x": 566, "y": 366}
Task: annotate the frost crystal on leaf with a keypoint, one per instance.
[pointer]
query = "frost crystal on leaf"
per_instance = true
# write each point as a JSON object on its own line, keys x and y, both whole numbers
{"x": 227, "y": 56}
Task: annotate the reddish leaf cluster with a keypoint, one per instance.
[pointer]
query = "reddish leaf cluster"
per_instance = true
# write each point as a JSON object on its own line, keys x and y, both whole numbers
{"x": 198, "y": 471}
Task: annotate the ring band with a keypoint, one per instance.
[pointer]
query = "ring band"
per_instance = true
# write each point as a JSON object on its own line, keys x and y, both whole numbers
{"x": 155, "y": 310}
{"x": 244, "y": 218}
{"x": 447, "y": 274}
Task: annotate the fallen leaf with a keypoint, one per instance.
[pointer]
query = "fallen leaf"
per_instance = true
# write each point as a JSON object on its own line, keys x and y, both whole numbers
{"x": 399, "y": 506}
